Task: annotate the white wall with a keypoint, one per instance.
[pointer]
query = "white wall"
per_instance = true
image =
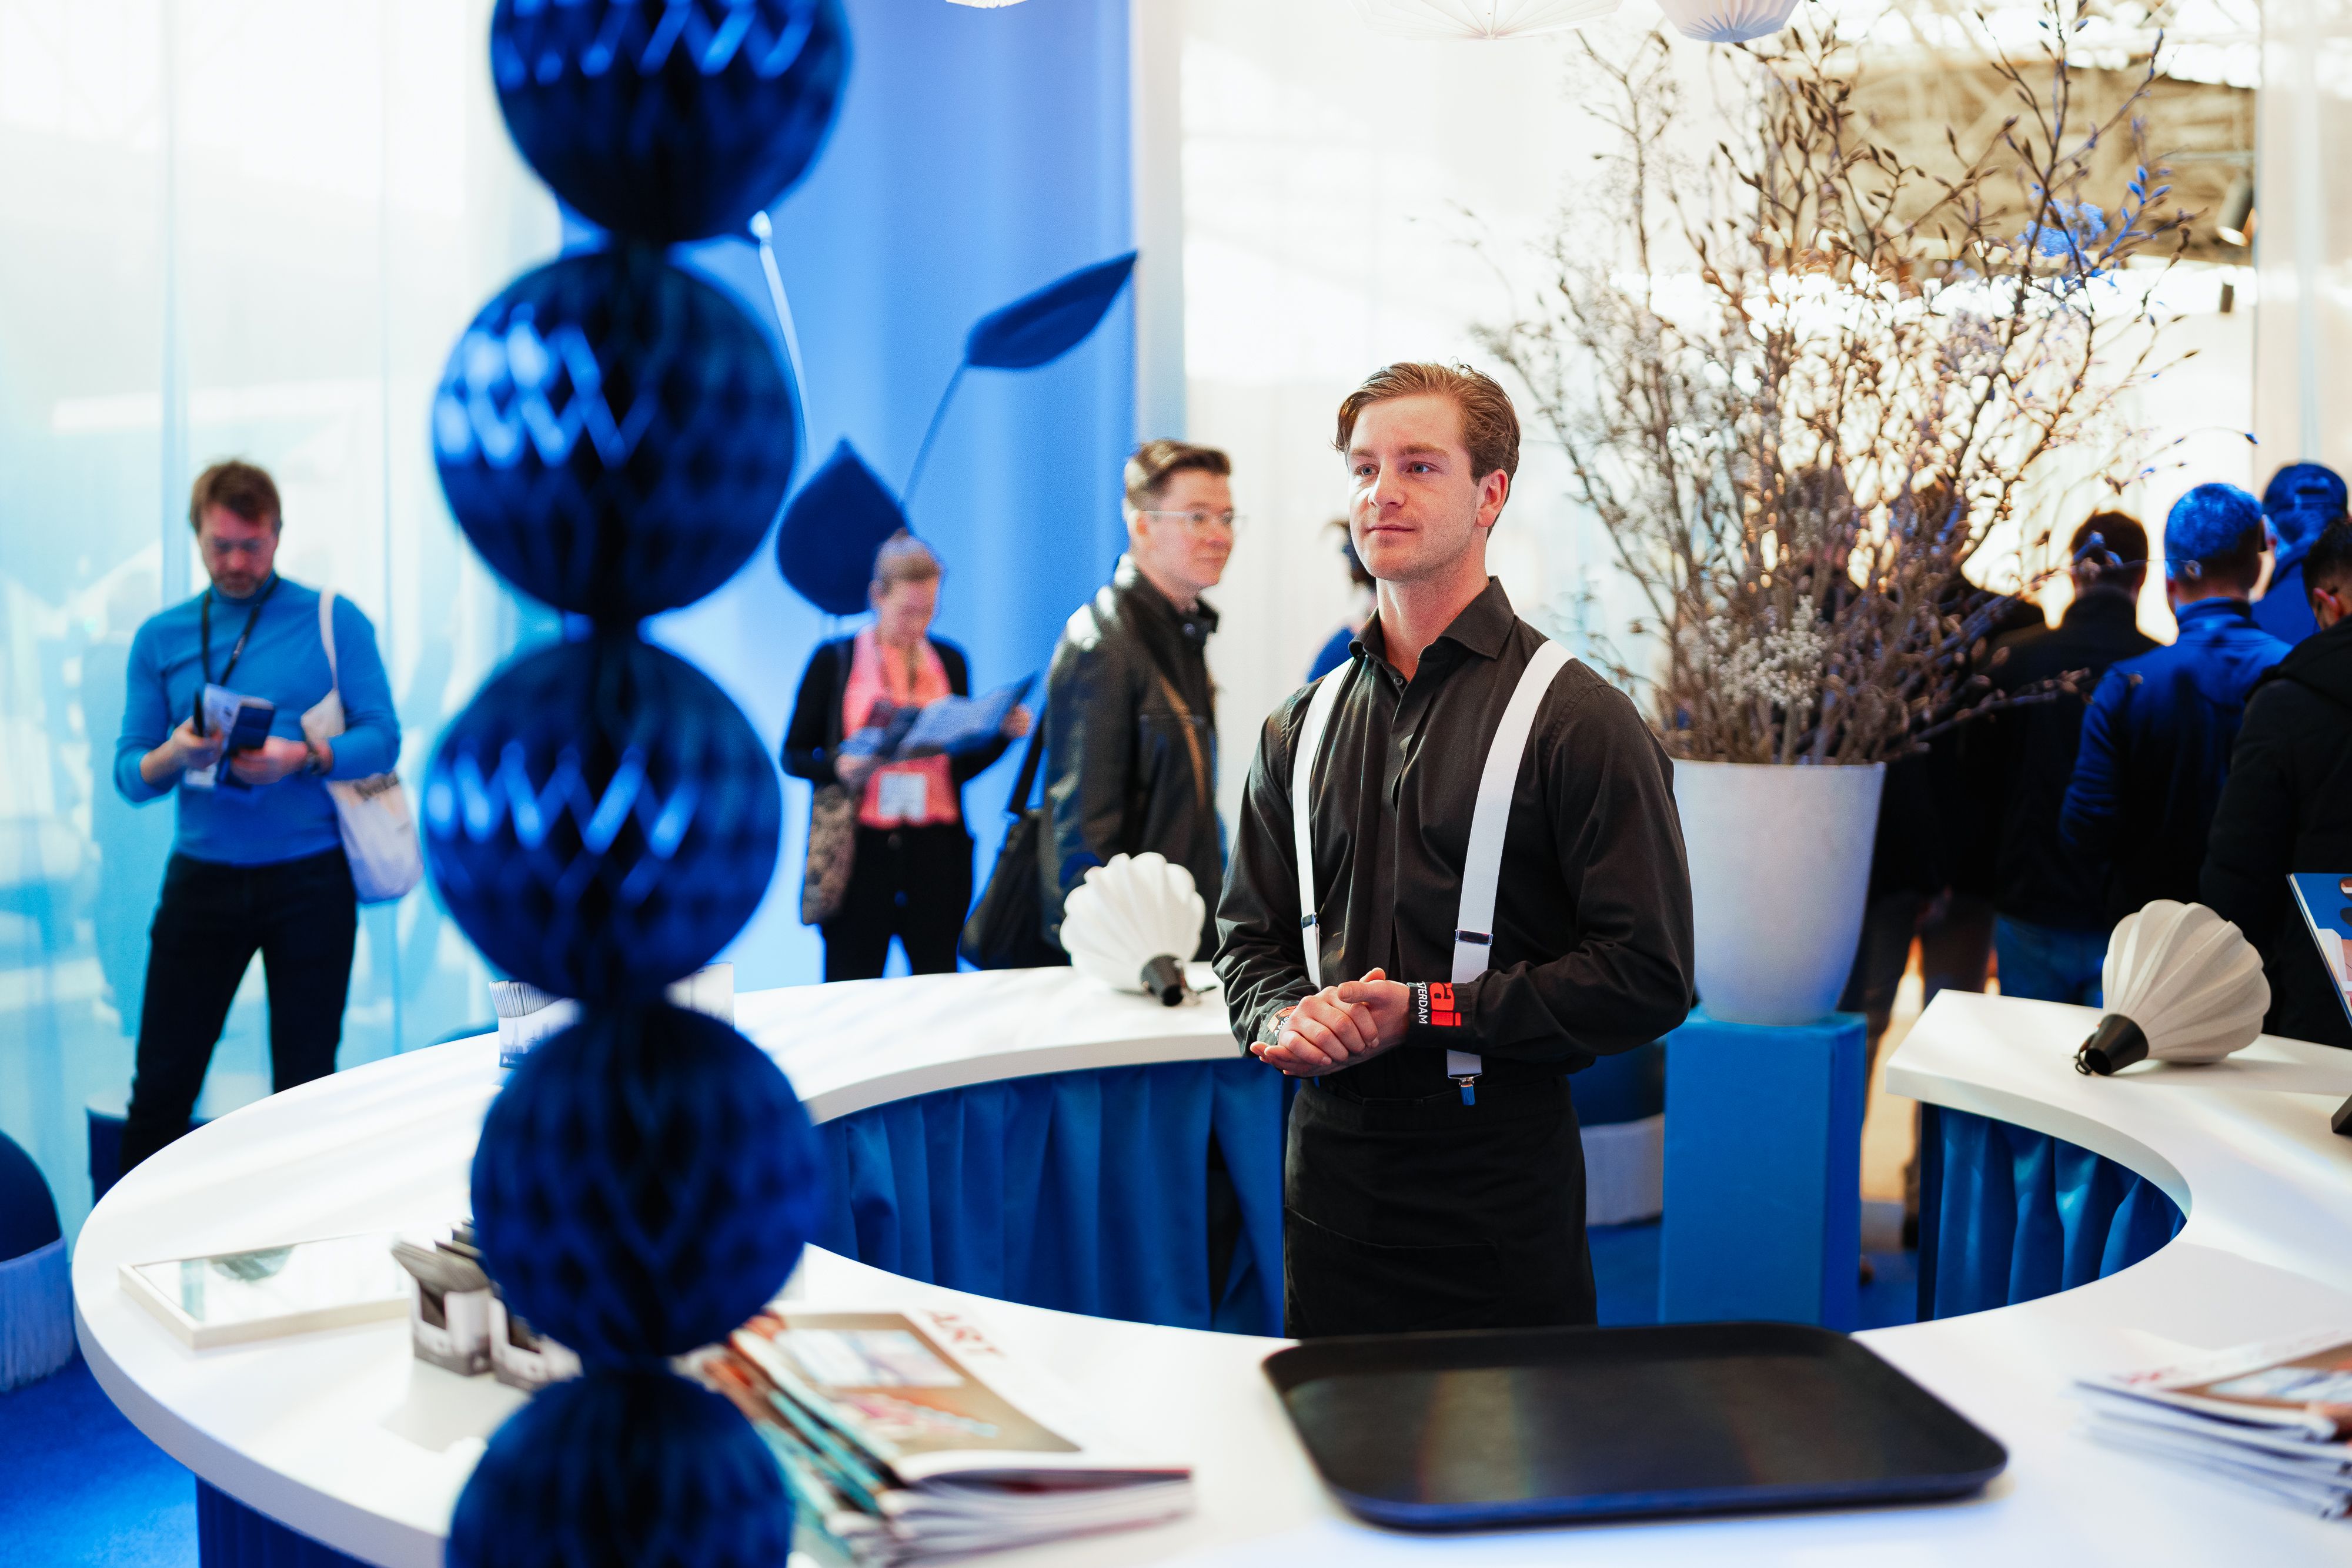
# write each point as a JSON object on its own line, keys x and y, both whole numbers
{"x": 1334, "y": 180}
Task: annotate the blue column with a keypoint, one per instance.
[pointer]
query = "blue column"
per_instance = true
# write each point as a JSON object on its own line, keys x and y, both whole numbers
{"x": 1763, "y": 1172}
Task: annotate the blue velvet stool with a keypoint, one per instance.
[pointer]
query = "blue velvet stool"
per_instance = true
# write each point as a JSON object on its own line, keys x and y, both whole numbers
{"x": 1763, "y": 1172}
{"x": 37, "y": 1333}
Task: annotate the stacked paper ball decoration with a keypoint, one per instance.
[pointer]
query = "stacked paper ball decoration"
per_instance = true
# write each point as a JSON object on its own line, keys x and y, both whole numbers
{"x": 1728, "y": 21}
{"x": 614, "y": 435}
{"x": 657, "y": 1471}
{"x": 601, "y": 820}
{"x": 673, "y": 119}
{"x": 645, "y": 1183}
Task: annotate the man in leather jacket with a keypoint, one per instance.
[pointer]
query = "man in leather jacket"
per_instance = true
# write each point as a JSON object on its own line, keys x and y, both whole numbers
{"x": 1131, "y": 722}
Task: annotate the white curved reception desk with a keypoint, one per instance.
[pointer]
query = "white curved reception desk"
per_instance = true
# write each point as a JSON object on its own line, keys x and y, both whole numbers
{"x": 344, "y": 1437}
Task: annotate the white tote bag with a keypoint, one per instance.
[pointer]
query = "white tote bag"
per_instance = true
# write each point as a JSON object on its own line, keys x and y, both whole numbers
{"x": 379, "y": 832}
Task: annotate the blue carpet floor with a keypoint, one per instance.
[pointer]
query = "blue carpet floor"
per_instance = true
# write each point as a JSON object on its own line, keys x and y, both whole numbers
{"x": 79, "y": 1487}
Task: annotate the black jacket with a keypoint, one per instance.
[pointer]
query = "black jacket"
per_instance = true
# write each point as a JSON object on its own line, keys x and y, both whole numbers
{"x": 2287, "y": 807}
{"x": 815, "y": 729}
{"x": 1121, "y": 776}
{"x": 2022, "y": 759}
{"x": 1592, "y": 949}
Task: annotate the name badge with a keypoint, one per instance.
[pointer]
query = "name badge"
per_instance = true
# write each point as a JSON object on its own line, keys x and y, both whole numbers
{"x": 904, "y": 796}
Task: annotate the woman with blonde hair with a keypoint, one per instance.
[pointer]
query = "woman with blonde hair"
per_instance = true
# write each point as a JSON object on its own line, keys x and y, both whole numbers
{"x": 910, "y": 873}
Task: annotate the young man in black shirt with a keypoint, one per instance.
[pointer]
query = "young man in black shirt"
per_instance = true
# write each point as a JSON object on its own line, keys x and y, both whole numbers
{"x": 1434, "y": 1176}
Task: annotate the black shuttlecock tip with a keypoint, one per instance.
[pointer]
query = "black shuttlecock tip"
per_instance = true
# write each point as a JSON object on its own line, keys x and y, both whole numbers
{"x": 1164, "y": 976}
{"x": 2115, "y": 1044}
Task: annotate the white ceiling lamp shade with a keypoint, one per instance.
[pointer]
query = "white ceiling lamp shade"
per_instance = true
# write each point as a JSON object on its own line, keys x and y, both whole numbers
{"x": 1728, "y": 21}
{"x": 1478, "y": 19}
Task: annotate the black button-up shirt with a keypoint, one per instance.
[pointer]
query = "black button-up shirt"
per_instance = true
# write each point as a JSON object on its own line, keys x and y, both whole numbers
{"x": 1591, "y": 947}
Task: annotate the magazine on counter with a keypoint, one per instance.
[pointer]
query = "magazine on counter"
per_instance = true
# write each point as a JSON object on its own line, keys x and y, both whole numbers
{"x": 2325, "y": 900}
{"x": 2275, "y": 1417}
{"x": 909, "y": 1434}
{"x": 950, "y": 726}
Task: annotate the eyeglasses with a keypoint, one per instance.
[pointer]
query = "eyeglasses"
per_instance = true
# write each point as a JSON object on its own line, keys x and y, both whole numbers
{"x": 1201, "y": 522}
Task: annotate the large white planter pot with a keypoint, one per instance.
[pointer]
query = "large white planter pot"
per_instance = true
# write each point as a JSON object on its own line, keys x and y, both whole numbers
{"x": 1780, "y": 864}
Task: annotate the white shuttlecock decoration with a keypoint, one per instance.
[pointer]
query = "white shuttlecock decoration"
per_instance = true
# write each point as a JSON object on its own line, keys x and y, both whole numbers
{"x": 1728, "y": 21}
{"x": 1132, "y": 923}
{"x": 2182, "y": 983}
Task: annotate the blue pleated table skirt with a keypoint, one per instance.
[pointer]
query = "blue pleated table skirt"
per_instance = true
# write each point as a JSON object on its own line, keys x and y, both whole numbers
{"x": 2006, "y": 1215}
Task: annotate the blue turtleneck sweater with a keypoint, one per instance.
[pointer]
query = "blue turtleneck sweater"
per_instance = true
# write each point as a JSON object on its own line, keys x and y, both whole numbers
{"x": 284, "y": 661}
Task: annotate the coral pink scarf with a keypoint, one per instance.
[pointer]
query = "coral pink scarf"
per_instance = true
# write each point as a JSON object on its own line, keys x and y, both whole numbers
{"x": 873, "y": 679}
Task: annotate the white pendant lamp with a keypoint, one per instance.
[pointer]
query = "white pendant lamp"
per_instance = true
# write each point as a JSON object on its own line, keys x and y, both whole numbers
{"x": 1728, "y": 21}
{"x": 1478, "y": 19}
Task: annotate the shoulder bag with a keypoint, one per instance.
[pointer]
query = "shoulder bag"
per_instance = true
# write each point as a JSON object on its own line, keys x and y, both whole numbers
{"x": 1007, "y": 927}
{"x": 833, "y": 824}
{"x": 379, "y": 832}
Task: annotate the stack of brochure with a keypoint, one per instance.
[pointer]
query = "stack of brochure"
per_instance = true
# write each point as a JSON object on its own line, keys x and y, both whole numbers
{"x": 907, "y": 1435}
{"x": 2273, "y": 1417}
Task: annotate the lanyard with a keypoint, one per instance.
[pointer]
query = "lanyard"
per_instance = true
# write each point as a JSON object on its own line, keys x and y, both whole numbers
{"x": 205, "y": 640}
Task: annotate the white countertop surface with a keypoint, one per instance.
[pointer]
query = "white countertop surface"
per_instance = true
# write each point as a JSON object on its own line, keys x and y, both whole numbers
{"x": 345, "y": 1436}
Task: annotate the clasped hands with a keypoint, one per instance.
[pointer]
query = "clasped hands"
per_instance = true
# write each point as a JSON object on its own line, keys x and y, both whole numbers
{"x": 1338, "y": 1027}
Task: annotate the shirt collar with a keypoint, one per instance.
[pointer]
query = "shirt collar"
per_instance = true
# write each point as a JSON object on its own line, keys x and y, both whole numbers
{"x": 1132, "y": 584}
{"x": 2216, "y": 609}
{"x": 1483, "y": 627}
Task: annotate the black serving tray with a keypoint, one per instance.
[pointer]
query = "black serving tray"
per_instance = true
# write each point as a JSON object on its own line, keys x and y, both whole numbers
{"x": 1455, "y": 1431}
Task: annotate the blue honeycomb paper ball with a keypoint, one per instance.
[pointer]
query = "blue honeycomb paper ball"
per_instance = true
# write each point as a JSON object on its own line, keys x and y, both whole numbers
{"x": 643, "y": 1183}
{"x": 601, "y": 820}
{"x": 623, "y": 1470}
{"x": 669, "y": 120}
{"x": 614, "y": 434}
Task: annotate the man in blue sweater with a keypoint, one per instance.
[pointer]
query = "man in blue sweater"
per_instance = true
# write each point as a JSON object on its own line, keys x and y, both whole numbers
{"x": 257, "y": 860}
{"x": 2157, "y": 738}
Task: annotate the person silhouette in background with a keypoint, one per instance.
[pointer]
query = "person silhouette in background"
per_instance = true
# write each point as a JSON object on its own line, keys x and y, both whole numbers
{"x": 2050, "y": 901}
{"x": 1130, "y": 711}
{"x": 257, "y": 860}
{"x": 2287, "y": 806}
{"x": 2302, "y": 499}
{"x": 2155, "y": 741}
{"x": 911, "y": 875}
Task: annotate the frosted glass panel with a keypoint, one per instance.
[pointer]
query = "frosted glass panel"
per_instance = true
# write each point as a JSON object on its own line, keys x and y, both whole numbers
{"x": 248, "y": 229}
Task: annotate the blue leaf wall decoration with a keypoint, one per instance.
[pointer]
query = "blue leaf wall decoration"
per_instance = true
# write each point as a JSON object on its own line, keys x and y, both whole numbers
{"x": 831, "y": 530}
{"x": 1040, "y": 327}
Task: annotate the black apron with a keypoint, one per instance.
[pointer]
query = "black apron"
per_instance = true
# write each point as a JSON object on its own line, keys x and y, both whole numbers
{"x": 1407, "y": 1214}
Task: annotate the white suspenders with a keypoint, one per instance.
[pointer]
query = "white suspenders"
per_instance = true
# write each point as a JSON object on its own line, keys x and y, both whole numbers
{"x": 1482, "y": 868}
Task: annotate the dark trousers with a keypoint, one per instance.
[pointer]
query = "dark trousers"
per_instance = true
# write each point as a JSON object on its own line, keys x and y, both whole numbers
{"x": 1405, "y": 1215}
{"x": 302, "y": 916}
{"x": 913, "y": 884}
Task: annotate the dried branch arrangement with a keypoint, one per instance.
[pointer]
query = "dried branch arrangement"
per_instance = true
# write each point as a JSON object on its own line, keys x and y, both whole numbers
{"x": 1802, "y": 384}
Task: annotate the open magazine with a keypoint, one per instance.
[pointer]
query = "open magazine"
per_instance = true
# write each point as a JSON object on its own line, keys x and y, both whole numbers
{"x": 2325, "y": 900}
{"x": 951, "y": 725}
{"x": 908, "y": 1434}
{"x": 2275, "y": 1417}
